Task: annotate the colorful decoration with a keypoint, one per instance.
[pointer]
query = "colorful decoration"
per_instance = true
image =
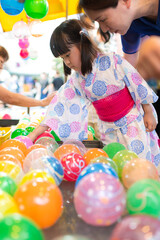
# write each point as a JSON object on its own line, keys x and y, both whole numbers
{"x": 41, "y": 201}
{"x": 36, "y": 9}
{"x": 45, "y": 134}
{"x": 14, "y": 143}
{"x": 143, "y": 197}
{"x": 19, "y": 132}
{"x": 35, "y": 146}
{"x": 37, "y": 174}
{"x": 7, "y": 204}
{"x": 49, "y": 143}
{"x": 18, "y": 227}
{"x": 36, "y": 28}
{"x": 12, "y": 170}
{"x": 33, "y": 156}
{"x": 23, "y": 43}
{"x": 94, "y": 153}
{"x": 65, "y": 149}
{"x": 12, "y": 7}
{"x": 138, "y": 169}
{"x": 20, "y": 29}
{"x": 7, "y": 184}
{"x": 26, "y": 140}
{"x": 78, "y": 144}
{"x": 99, "y": 199}
{"x": 94, "y": 168}
{"x": 73, "y": 164}
{"x": 24, "y": 53}
{"x": 50, "y": 165}
{"x": 112, "y": 148}
{"x": 15, "y": 152}
{"x": 121, "y": 158}
{"x": 105, "y": 160}
{"x": 140, "y": 227}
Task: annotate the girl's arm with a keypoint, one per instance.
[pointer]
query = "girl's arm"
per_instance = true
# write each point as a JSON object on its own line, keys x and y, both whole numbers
{"x": 37, "y": 131}
{"x": 149, "y": 119}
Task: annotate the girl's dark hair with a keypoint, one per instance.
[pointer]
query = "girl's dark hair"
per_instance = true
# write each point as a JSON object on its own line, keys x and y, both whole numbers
{"x": 68, "y": 34}
{"x": 98, "y": 5}
{"x": 4, "y": 53}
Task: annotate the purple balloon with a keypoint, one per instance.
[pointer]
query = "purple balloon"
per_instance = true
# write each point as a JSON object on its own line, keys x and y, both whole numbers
{"x": 138, "y": 227}
{"x": 99, "y": 199}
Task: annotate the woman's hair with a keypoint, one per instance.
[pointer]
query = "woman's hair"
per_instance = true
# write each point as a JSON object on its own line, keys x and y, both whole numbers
{"x": 70, "y": 33}
{"x": 4, "y": 53}
{"x": 98, "y": 5}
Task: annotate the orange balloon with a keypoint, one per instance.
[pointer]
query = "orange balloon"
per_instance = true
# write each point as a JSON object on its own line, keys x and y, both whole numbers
{"x": 138, "y": 169}
{"x": 7, "y": 157}
{"x": 35, "y": 146}
{"x": 90, "y": 136}
{"x": 94, "y": 153}
{"x": 41, "y": 201}
{"x": 65, "y": 149}
{"x": 15, "y": 143}
{"x": 17, "y": 153}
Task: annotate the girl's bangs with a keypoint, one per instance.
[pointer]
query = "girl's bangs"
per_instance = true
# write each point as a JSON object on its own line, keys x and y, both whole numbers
{"x": 60, "y": 44}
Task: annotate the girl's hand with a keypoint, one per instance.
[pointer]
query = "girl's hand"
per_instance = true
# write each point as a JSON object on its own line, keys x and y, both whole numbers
{"x": 149, "y": 122}
{"x": 148, "y": 64}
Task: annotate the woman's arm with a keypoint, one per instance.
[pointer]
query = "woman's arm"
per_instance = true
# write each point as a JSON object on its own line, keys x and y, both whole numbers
{"x": 20, "y": 100}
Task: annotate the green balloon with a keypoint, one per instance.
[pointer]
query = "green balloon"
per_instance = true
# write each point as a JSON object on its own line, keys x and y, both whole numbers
{"x": 36, "y": 9}
{"x": 121, "y": 158}
{"x": 143, "y": 197}
{"x": 17, "y": 227}
{"x": 7, "y": 184}
{"x": 91, "y": 129}
{"x": 105, "y": 160}
{"x": 55, "y": 136}
{"x": 112, "y": 148}
{"x": 29, "y": 129}
{"x": 19, "y": 132}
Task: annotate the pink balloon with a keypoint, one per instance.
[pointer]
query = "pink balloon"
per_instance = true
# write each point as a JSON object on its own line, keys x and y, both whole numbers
{"x": 139, "y": 227}
{"x": 99, "y": 199}
{"x": 23, "y": 43}
{"x": 26, "y": 140}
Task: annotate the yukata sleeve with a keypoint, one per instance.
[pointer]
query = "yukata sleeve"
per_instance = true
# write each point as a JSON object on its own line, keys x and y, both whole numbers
{"x": 137, "y": 86}
{"x": 67, "y": 113}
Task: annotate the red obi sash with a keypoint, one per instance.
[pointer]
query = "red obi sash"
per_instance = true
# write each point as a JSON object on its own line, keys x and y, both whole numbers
{"x": 115, "y": 106}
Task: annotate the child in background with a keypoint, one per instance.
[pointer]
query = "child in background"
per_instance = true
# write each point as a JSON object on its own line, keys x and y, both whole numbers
{"x": 121, "y": 97}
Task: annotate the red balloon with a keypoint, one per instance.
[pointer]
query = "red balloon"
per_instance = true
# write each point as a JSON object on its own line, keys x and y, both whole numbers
{"x": 45, "y": 134}
{"x": 73, "y": 164}
{"x": 24, "y": 53}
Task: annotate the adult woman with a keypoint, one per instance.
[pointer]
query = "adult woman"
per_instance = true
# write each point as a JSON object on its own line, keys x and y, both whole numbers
{"x": 133, "y": 19}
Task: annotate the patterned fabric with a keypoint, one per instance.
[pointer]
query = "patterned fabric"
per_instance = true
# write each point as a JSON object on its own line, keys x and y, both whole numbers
{"x": 67, "y": 113}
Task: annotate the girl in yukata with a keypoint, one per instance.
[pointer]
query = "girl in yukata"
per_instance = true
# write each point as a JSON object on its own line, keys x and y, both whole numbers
{"x": 122, "y": 98}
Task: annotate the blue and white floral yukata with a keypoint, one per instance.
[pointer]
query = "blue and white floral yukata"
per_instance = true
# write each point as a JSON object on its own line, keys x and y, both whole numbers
{"x": 67, "y": 113}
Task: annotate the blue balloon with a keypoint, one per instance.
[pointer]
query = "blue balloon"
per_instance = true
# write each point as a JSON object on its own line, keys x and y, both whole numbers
{"x": 12, "y": 7}
{"x": 54, "y": 168}
{"x": 96, "y": 167}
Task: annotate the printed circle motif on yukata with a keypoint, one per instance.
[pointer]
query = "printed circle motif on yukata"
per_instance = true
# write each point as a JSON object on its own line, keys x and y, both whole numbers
{"x": 142, "y": 92}
{"x": 74, "y": 109}
{"x": 137, "y": 146}
{"x": 64, "y": 130}
{"x": 59, "y": 109}
{"x": 104, "y": 63}
{"x": 99, "y": 88}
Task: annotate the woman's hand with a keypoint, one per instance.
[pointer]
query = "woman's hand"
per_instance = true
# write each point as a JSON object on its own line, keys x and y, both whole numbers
{"x": 148, "y": 64}
{"x": 149, "y": 122}
{"x": 46, "y": 101}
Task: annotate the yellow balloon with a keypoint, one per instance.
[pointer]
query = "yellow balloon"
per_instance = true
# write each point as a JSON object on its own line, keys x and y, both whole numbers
{"x": 7, "y": 204}
{"x": 37, "y": 174}
{"x": 12, "y": 169}
{"x": 22, "y": 125}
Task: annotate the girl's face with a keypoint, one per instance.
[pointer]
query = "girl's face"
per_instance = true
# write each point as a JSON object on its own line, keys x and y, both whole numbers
{"x": 114, "y": 20}
{"x": 73, "y": 58}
